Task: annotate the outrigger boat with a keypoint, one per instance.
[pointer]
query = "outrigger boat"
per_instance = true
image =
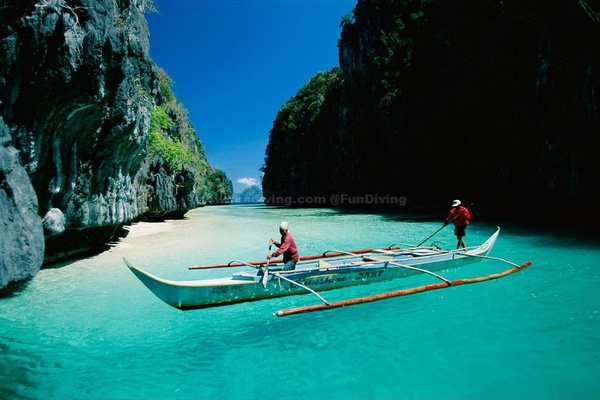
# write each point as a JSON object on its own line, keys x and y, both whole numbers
{"x": 315, "y": 273}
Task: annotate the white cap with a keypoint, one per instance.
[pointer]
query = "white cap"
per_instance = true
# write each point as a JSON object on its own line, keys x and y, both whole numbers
{"x": 284, "y": 225}
{"x": 456, "y": 203}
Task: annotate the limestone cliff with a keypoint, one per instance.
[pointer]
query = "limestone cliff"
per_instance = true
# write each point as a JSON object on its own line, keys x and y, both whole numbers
{"x": 78, "y": 92}
{"x": 489, "y": 101}
{"x": 22, "y": 238}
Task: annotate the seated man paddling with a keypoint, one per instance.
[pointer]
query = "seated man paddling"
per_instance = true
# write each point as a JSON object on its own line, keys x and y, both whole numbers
{"x": 287, "y": 247}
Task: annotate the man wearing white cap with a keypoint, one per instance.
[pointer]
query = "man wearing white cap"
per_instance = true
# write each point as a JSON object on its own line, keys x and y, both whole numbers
{"x": 461, "y": 217}
{"x": 287, "y": 247}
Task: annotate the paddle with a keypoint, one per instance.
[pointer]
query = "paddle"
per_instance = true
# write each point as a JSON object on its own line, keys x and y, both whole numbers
{"x": 443, "y": 226}
{"x": 266, "y": 273}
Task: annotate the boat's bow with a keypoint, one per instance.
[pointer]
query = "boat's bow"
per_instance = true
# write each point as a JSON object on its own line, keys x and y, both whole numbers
{"x": 486, "y": 247}
{"x": 162, "y": 288}
{"x": 174, "y": 293}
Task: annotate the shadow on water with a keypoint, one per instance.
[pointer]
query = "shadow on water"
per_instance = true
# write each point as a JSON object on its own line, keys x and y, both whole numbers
{"x": 559, "y": 232}
{"x": 14, "y": 289}
{"x": 76, "y": 244}
{"x": 18, "y": 368}
{"x": 398, "y": 214}
{"x": 89, "y": 243}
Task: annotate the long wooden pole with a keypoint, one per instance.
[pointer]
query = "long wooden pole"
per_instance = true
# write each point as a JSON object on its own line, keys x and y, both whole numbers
{"x": 404, "y": 292}
{"x": 327, "y": 254}
{"x": 443, "y": 226}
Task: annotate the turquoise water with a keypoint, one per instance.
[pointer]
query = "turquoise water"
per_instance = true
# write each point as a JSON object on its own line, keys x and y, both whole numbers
{"x": 91, "y": 330}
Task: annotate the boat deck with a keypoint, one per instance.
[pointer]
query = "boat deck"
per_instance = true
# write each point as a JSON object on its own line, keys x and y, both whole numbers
{"x": 355, "y": 263}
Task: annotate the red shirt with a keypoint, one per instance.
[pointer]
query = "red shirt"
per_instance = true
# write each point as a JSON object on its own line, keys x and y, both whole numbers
{"x": 287, "y": 247}
{"x": 464, "y": 217}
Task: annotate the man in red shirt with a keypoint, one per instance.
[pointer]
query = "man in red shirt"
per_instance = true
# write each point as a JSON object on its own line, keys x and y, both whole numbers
{"x": 461, "y": 217}
{"x": 287, "y": 247}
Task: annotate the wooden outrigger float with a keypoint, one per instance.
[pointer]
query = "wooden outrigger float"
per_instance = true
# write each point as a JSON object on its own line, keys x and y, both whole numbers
{"x": 315, "y": 274}
{"x": 403, "y": 292}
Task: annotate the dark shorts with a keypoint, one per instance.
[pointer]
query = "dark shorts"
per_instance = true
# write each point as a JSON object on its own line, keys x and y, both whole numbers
{"x": 460, "y": 231}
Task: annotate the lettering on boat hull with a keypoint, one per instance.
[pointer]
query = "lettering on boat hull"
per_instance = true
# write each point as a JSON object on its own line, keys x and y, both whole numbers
{"x": 226, "y": 289}
{"x": 345, "y": 279}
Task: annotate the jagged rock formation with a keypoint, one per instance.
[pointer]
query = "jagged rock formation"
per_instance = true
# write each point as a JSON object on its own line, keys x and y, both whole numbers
{"x": 22, "y": 238}
{"x": 489, "y": 101}
{"x": 77, "y": 92}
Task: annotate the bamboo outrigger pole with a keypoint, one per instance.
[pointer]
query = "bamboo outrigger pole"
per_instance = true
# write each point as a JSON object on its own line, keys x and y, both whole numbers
{"x": 293, "y": 282}
{"x": 414, "y": 269}
{"x": 404, "y": 292}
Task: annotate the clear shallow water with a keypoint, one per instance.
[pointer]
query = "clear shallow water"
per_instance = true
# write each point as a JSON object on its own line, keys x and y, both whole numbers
{"x": 91, "y": 330}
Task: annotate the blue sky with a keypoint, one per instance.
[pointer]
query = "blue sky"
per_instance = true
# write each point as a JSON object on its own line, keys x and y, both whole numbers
{"x": 235, "y": 62}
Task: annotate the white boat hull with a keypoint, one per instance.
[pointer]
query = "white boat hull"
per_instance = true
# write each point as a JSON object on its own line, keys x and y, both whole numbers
{"x": 341, "y": 272}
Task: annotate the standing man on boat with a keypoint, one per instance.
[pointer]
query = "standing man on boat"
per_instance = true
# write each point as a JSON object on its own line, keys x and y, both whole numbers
{"x": 287, "y": 247}
{"x": 461, "y": 217}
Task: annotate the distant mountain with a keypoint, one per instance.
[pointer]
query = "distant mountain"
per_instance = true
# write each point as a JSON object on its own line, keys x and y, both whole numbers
{"x": 251, "y": 195}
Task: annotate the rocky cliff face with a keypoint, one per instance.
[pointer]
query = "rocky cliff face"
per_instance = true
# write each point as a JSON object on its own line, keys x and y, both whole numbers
{"x": 77, "y": 91}
{"x": 489, "y": 101}
{"x": 22, "y": 239}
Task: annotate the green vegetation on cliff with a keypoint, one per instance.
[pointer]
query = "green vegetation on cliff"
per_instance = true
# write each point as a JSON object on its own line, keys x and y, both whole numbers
{"x": 170, "y": 150}
{"x": 173, "y": 139}
{"x": 300, "y": 154}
